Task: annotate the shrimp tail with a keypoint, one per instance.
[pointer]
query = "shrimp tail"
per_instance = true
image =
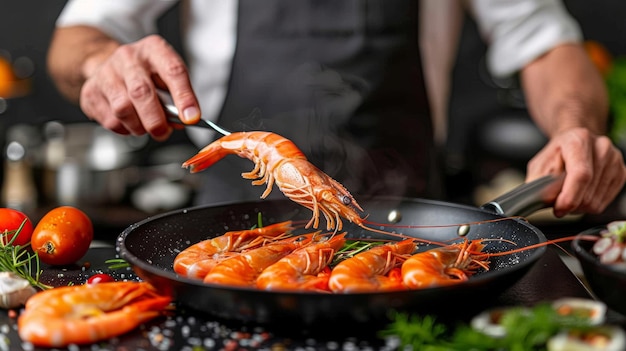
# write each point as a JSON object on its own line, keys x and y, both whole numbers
{"x": 150, "y": 308}
{"x": 206, "y": 158}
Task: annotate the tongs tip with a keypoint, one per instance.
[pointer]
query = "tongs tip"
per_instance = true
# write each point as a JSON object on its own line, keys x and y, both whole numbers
{"x": 173, "y": 115}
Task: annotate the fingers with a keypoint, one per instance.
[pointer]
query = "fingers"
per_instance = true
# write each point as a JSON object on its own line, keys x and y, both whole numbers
{"x": 172, "y": 72}
{"x": 96, "y": 107}
{"x": 578, "y": 158}
{"x": 121, "y": 95}
{"x": 595, "y": 171}
{"x": 600, "y": 180}
{"x": 608, "y": 178}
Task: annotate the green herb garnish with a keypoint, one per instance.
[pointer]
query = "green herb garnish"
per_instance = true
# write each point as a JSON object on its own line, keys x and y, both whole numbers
{"x": 117, "y": 263}
{"x": 526, "y": 329}
{"x": 19, "y": 259}
{"x": 259, "y": 220}
{"x": 351, "y": 248}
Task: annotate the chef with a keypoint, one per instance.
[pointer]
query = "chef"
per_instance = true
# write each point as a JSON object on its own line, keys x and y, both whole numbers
{"x": 344, "y": 80}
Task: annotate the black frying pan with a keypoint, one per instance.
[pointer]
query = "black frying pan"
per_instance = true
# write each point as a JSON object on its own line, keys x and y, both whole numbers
{"x": 151, "y": 245}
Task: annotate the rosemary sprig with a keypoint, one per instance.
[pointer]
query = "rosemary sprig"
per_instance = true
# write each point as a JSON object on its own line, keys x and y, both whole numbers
{"x": 19, "y": 259}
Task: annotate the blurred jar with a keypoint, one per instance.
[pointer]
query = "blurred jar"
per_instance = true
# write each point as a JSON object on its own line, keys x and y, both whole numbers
{"x": 85, "y": 164}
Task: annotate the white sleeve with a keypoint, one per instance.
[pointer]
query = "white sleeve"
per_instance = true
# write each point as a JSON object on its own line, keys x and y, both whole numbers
{"x": 124, "y": 20}
{"x": 519, "y": 31}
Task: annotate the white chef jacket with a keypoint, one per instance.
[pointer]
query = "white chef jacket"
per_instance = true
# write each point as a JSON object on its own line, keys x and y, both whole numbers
{"x": 517, "y": 31}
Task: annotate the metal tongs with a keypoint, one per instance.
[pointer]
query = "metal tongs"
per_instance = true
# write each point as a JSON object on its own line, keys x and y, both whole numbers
{"x": 173, "y": 115}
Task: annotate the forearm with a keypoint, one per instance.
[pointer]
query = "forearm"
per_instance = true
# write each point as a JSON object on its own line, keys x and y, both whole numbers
{"x": 564, "y": 90}
{"x": 74, "y": 54}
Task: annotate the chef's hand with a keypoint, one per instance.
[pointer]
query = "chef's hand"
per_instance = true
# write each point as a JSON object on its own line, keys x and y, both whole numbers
{"x": 594, "y": 167}
{"x": 119, "y": 92}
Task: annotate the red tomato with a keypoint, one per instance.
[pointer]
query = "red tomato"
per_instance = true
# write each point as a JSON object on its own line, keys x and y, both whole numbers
{"x": 10, "y": 222}
{"x": 100, "y": 278}
{"x": 62, "y": 236}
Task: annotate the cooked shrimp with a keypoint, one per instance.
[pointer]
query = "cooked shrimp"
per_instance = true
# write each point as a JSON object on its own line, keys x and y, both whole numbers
{"x": 444, "y": 265}
{"x": 300, "y": 270}
{"x": 198, "y": 259}
{"x": 81, "y": 314}
{"x": 367, "y": 271}
{"x": 243, "y": 269}
{"x": 278, "y": 160}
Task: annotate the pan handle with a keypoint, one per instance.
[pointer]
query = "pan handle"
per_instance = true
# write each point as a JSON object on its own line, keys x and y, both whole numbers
{"x": 528, "y": 197}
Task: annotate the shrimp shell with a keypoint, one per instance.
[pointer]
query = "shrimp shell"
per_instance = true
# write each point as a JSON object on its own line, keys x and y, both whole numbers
{"x": 278, "y": 160}
{"x": 300, "y": 270}
{"x": 445, "y": 265}
{"x": 366, "y": 271}
{"x": 243, "y": 269}
{"x": 198, "y": 259}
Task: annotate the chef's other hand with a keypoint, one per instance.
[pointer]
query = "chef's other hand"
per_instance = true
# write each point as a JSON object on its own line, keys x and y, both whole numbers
{"x": 594, "y": 167}
{"x": 119, "y": 91}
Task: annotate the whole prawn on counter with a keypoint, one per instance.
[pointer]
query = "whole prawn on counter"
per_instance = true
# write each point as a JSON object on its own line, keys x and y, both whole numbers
{"x": 88, "y": 313}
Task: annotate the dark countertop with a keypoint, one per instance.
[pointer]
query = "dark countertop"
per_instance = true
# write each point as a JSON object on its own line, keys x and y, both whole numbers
{"x": 547, "y": 280}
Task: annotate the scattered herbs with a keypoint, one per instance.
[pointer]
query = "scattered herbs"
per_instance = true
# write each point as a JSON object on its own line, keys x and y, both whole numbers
{"x": 19, "y": 259}
{"x": 526, "y": 329}
{"x": 259, "y": 220}
{"x": 117, "y": 263}
{"x": 352, "y": 248}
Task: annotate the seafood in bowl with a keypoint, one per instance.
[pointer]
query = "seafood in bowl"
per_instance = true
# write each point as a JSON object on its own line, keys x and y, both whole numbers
{"x": 603, "y": 263}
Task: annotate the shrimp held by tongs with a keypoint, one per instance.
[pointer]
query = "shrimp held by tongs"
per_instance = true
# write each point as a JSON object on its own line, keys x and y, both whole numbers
{"x": 278, "y": 160}
{"x": 82, "y": 314}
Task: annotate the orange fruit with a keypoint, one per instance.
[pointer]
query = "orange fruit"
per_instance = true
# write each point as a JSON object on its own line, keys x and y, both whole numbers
{"x": 62, "y": 236}
{"x": 599, "y": 55}
{"x": 7, "y": 78}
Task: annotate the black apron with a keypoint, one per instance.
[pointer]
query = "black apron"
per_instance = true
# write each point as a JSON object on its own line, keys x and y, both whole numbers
{"x": 343, "y": 80}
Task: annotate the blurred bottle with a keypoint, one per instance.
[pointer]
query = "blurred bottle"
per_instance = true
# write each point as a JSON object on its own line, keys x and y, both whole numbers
{"x": 18, "y": 187}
